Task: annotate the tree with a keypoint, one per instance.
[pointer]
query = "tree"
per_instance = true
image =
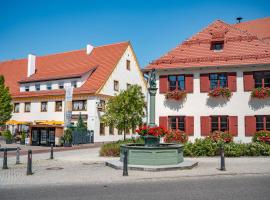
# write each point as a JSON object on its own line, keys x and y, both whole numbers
{"x": 80, "y": 124}
{"x": 5, "y": 102}
{"x": 126, "y": 110}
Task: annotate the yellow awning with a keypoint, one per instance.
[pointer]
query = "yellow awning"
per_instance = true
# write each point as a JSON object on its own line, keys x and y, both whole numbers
{"x": 49, "y": 122}
{"x": 15, "y": 122}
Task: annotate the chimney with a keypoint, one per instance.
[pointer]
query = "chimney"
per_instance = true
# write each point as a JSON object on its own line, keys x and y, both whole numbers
{"x": 89, "y": 49}
{"x": 239, "y": 19}
{"x": 31, "y": 65}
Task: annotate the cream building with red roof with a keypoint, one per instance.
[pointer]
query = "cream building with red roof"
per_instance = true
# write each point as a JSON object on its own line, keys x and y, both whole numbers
{"x": 231, "y": 56}
{"x": 37, "y": 85}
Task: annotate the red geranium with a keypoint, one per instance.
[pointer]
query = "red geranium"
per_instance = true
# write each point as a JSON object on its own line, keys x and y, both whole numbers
{"x": 260, "y": 93}
{"x": 156, "y": 131}
{"x": 176, "y": 136}
{"x": 176, "y": 95}
{"x": 220, "y": 92}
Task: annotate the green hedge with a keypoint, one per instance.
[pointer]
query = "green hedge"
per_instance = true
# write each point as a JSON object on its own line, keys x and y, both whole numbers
{"x": 113, "y": 149}
{"x": 205, "y": 147}
{"x": 201, "y": 147}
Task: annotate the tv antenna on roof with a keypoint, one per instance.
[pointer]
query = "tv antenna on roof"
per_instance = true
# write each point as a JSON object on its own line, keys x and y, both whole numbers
{"x": 239, "y": 19}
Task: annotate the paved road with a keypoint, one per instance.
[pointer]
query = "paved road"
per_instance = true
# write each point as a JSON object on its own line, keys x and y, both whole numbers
{"x": 213, "y": 187}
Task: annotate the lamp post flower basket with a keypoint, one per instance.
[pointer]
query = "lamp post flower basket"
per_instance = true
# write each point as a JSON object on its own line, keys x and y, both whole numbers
{"x": 261, "y": 93}
{"x": 176, "y": 95}
{"x": 176, "y": 136}
{"x": 220, "y": 92}
{"x": 151, "y": 135}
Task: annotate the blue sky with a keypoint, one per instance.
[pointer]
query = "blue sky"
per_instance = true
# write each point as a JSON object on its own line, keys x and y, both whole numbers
{"x": 153, "y": 27}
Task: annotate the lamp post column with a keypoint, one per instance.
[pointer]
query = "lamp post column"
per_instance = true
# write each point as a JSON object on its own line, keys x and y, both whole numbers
{"x": 152, "y": 111}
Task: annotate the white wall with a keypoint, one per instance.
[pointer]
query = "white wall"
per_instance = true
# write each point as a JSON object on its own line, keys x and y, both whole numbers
{"x": 199, "y": 104}
{"x": 121, "y": 74}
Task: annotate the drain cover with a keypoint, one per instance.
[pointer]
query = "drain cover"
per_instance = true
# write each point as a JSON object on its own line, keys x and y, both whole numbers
{"x": 90, "y": 163}
{"x": 55, "y": 168}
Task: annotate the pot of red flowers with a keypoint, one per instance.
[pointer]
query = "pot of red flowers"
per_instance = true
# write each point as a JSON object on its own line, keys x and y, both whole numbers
{"x": 151, "y": 135}
{"x": 260, "y": 93}
{"x": 176, "y": 136}
{"x": 220, "y": 92}
{"x": 176, "y": 95}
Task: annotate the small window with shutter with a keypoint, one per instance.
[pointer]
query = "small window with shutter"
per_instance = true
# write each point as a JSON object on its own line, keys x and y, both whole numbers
{"x": 177, "y": 123}
{"x": 219, "y": 123}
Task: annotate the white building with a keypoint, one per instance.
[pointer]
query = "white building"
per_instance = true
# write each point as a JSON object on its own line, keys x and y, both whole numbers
{"x": 234, "y": 56}
{"x": 37, "y": 86}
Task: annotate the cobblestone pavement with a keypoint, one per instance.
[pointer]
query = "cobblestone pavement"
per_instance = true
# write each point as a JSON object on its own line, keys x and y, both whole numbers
{"x": 85, "y": 166}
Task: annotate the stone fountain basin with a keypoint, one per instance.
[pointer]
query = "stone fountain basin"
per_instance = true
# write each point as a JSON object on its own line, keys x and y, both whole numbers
{"x": 164, "y": 154}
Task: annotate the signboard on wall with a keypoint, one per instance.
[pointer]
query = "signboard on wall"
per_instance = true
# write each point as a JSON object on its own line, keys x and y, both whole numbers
{"x": 68, "y": 105}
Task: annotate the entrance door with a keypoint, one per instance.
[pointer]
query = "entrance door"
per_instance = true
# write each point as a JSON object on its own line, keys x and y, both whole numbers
{"x": 43, "y": 137}
{"x": 35, "y": 137}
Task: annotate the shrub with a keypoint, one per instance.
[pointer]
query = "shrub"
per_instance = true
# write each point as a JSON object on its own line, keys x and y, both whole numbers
{"x": 220, "y": 136}
{"x": 112, "y": 149}
{"x": 204, "y": 147}
{"x": 262, "y": 136}
{"x": 68, "y": 136}
{"x": 7, "y": 135}
{"x": 176, "y": 136}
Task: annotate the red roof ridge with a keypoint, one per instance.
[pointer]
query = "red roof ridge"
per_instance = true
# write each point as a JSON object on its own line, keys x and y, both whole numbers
{"x": 246, "y": 22}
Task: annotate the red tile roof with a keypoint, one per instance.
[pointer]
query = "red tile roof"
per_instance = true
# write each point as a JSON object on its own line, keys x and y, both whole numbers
{"x": 240, "y": 47}
{"x": 258, "y": 27}
{"x": 102, "y": 61}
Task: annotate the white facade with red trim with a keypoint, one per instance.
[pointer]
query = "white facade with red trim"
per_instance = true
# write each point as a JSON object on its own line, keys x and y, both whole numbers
{"x": 198, "y": 106}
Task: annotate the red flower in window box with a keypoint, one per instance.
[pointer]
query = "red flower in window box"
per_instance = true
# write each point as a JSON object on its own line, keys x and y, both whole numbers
{"x": 176, "y": 136}
{"x": 261, "y": 93}
{"x": 220, "y": 92}
{"x": 262, "y": 136}
{"x": 176, "y": 95}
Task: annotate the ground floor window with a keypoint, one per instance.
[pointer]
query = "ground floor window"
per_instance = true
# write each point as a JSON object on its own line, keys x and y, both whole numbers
{"x": 219, "y": 123}
{"x": 177, "y": 123}
{"x": 102, "y": 129}
{"x": 263, "y": 122}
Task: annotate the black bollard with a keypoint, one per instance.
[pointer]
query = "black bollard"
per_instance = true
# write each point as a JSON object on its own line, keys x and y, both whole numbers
{"x": 5, "y": 159}
{"x": 125, "y": 163}
{"x": 18, "y": 156}
{"x": 51, "y": 151}
{"x": 29, "y": 163}
{"x": 222, "y": 158}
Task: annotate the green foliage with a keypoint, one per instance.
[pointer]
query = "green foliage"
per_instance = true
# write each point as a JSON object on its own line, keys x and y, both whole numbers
{"x": 23, "y": 136}
{"x": 261, "y": 136}
{"x": 112, "y": 149}
{"x": 68, "y": 136}
{"x": 207, "y": 147}
{"x": 126, "y": 110}
{"x": 5, "y": 102}
{"x": 7, "y": 135}
{"x": 80, "y": 124}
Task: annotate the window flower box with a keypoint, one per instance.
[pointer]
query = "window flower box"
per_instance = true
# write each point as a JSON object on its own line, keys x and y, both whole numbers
{"x": 260, "y": 93}
{"x": 176, "y": 95}
{"x": 176, "y": 136}
{"x": 220, "y": 92}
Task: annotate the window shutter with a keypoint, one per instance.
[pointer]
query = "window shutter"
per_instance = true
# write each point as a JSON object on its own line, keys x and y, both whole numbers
{"x": 233, "y": 125}
{"x": 189, "y": 83}
{"x": 250, "y": 125}
{"x": 248, "y": 81}
{"x": 163, "y": 84}
{"x": 204, "y": 83}
{"x": 205, "y": 125}
{"x": 232, "y": 81}
{"x": 163, "y": 121}
{"x": 189, "y": 125}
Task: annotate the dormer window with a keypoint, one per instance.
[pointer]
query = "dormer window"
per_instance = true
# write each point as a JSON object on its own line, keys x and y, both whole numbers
{"x": 74, "y": 84}
{"x": 217, "y": 45}
{"x": 61, "y": 85}
{"x": 49, "y": 86}
{"x": 37, "y": 87}
{"x": 128, "y": 65}
{"x": 27, "y": 88}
